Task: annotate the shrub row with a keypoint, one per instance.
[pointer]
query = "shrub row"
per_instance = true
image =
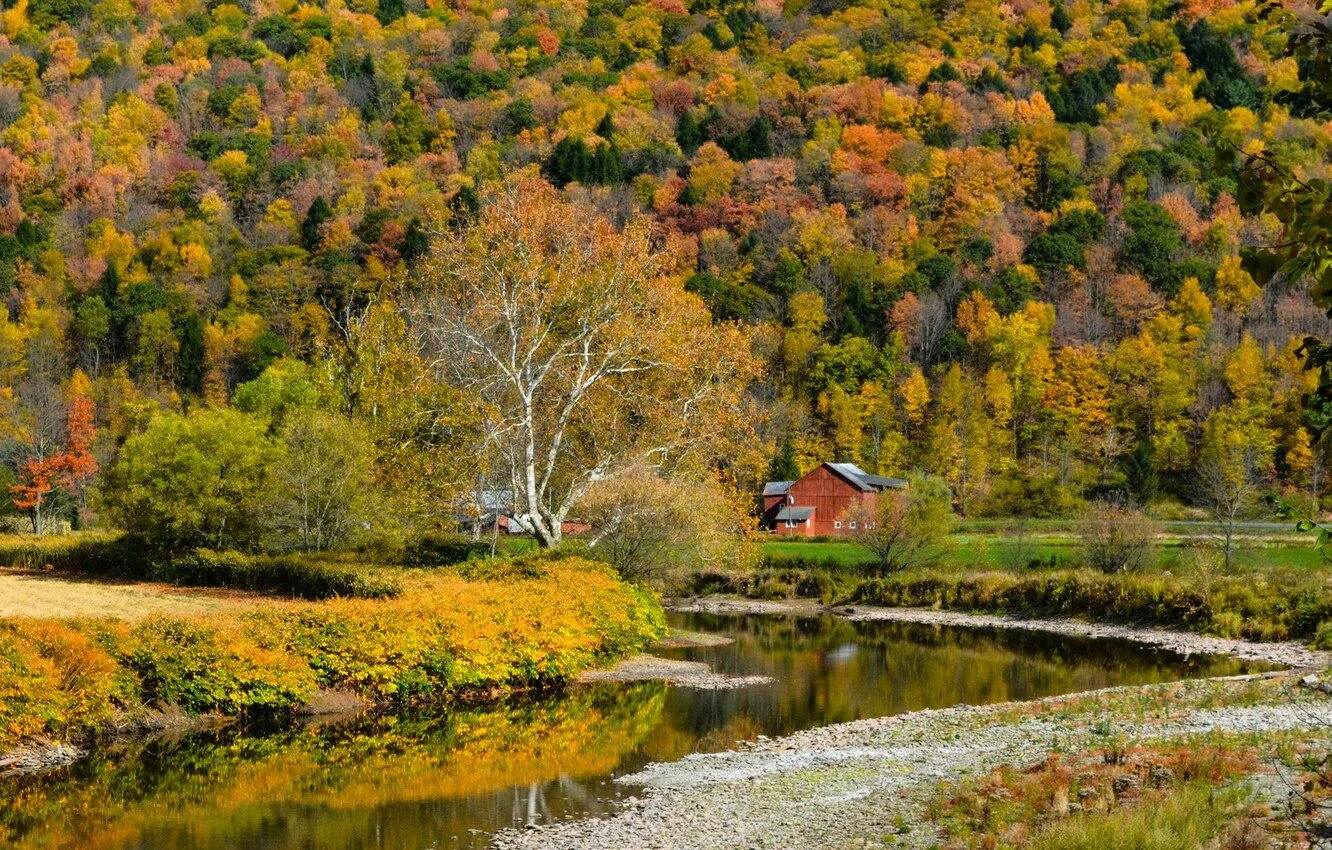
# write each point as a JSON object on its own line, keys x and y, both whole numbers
{"x": 442, "y": 550}
{"x": 88, "y": 552}
{"x": 1274, "y": 606}
{"x": 780, "y": 577}
{"x": 309, "y": 576}
{"x": 443, "y": 638}
{"x": 295, "y": 575}
{"x": 118, "y": 556}
{"x": 425, "y": 550}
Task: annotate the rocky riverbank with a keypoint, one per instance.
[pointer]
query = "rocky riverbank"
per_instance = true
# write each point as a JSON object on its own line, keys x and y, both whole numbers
{"x": 682, "y": 674}
{"x": 37, "y": 756}
{"x": 867, "y": 783}
{"x": 1288, "y": 654}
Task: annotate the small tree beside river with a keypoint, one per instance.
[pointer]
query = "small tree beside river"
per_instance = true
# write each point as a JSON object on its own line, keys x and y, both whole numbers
{"x": 907, "y": 528}
{"x": 650, "y": 527}
{"x": 1117, "y": 538}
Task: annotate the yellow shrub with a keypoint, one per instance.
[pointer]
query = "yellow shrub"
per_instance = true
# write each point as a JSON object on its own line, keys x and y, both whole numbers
{"x": 539, "y": 623}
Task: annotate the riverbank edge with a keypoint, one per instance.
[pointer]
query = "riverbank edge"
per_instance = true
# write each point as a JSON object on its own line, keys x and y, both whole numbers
{"x": 870, "y": 782}
{"x": 601, "y": 622}
{"x": 332, "y": 705}
{"x": 1293, "y": 656}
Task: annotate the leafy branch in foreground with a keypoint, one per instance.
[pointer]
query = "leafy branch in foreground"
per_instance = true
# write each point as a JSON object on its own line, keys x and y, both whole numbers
{"x": 1303, "y": 206}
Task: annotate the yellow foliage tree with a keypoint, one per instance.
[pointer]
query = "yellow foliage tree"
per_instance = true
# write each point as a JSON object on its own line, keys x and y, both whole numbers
{"x": 1235, "y": 288}
{"x": 712, "y": 172}
{"x": 915, "y": 398}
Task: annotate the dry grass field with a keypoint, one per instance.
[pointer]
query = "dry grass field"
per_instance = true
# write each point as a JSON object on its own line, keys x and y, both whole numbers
{"x": 27, "y": 594}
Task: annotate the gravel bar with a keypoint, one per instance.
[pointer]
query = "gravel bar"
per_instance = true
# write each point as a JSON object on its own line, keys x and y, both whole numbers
{"x": 1288, "y": 654}
{"x": 682, "y": 674}
{"x": 866, "y": 784}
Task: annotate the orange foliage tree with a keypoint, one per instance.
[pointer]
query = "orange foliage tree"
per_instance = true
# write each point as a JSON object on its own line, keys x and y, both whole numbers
{"x": 71, "y": 465}
{"x": 38, "y": 478}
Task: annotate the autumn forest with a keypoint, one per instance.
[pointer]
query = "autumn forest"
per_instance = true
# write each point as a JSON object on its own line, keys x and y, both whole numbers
{"x": 468, "y": 409}
{"x": 990, "y": 242}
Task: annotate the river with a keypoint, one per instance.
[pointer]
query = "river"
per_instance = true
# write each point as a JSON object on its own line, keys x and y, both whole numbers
{"x": 433, "y": 781}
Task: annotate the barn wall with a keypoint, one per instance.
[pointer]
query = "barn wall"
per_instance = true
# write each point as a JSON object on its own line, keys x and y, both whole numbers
{"x": 831, "y": 496}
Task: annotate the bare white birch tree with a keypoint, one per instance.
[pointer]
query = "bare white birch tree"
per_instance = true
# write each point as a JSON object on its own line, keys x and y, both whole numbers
{"x": 578, "y": 342}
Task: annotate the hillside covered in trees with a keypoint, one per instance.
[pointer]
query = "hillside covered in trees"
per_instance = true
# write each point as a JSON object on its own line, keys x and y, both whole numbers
{"x": 986, "y": 241}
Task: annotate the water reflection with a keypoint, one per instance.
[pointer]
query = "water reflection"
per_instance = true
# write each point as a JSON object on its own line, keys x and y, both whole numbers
{"x": 417, "y": 782}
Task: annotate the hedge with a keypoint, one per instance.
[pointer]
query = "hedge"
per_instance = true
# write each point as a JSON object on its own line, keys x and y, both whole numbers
{"x": 310, "y": 576}
{"x": 306, "y": 576}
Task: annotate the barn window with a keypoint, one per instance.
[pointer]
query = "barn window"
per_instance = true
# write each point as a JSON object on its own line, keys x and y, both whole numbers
{"x": 837, "y": 525}
{"x": 853, "y": 524}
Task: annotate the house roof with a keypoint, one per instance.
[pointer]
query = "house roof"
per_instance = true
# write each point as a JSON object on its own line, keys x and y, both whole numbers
{"x": 777, "y": 488}
{"x": 793, "y": 513}
{"x": 488, "y": 505}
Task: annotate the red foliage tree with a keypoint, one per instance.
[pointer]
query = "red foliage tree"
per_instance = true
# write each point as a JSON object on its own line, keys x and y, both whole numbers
{"x": 38, "y": 477}
{"x": 71, "y": 467}
{"x": 79, "y": 465}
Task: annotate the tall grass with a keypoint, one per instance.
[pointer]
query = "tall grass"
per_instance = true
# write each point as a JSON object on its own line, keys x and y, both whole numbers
{"x": 1184, "y": 818}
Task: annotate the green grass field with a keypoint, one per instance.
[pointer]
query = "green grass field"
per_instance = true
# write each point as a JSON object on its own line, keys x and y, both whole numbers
{"x": 996, "y": 551}
{"x": 998, "y": 544}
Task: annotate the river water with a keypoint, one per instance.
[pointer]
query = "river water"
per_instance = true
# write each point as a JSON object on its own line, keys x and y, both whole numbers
{"x": 438, "y": 781}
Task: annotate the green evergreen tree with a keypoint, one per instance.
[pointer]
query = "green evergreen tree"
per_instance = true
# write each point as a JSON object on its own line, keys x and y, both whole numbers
{"x": 312, "y": 228}
{"x": 783, "y": 466}
{"x": 1140, "y": 476}
{"x": 390, "y": 10}
{"x": 688, "y": 133}
{"x": 190, "y": 359}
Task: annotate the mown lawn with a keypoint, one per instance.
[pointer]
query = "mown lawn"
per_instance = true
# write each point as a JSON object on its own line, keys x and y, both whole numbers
{"x": 46, "y": 595}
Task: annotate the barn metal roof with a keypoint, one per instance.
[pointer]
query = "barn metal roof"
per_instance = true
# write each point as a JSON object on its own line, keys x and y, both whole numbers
{"x": 777, "y": 488}
{"x": 883, "y": 481}
{"x": 851, "y": 473}
{"x": 864, "y": 480}
{"x": 795, "y": 514}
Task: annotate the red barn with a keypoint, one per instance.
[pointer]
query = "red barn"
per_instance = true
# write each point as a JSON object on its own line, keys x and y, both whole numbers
{"x": 819, "y": 502}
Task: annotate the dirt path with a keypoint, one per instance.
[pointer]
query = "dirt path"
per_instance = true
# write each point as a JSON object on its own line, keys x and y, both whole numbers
{"x": 24, "y": 594}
